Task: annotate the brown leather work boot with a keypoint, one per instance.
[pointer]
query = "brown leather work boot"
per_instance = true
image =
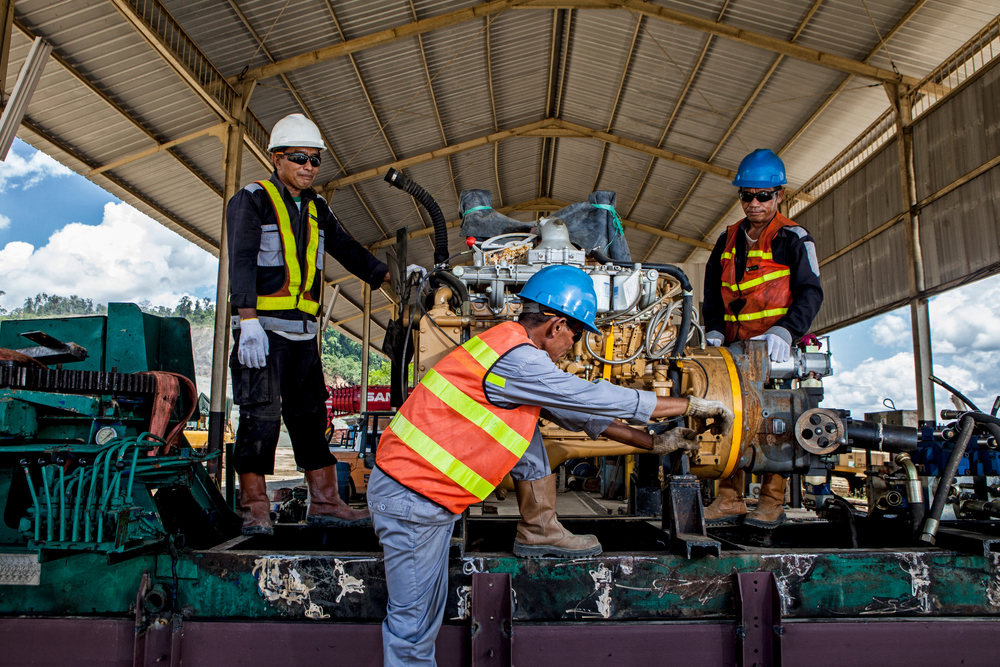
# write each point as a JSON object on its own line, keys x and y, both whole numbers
{"x": 770, "y": 512}
{"x": 325, "y": 506}
{"x": 539, "y": 532}
{"x": 728, "y": 508}
{"x": 255, "y": 504}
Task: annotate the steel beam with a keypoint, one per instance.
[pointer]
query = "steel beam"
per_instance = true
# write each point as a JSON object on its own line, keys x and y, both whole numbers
{"x": 366, "y": 339}
{"x": 550, "y": 127}
{"x": 6, "y": 26}
{"x": 220, "y": 346}
{"x": 215, "y": 131}
{"x": 152, "y": 21}
{"x": 375, "y": 39}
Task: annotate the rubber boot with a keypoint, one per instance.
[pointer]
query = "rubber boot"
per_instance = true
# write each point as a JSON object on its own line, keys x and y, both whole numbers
{"x": 255, "y": 504}
{"x": 539, "y": 532}
{"x": 325, "y": 506}
{"x": 770, "y": 512}
{"x": 728, "y": 508}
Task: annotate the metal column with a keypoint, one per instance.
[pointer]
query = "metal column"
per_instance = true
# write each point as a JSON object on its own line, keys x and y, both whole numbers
{"x": 220, "y": 349}
{"x": 6, "y": 26}
{"x": 366, "y": 339}
{"x": 919, "y": 313}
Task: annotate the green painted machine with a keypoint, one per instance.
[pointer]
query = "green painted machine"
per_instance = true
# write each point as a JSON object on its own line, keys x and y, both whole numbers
{"x": 116, "y": 548}
{"x": 86, "y": 459}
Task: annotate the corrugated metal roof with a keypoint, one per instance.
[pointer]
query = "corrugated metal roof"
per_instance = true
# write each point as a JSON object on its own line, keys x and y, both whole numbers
{"x": 411, "y": 96}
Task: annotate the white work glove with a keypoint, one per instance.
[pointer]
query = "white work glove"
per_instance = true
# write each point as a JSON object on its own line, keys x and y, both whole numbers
{"x": 415, "y": 268}
{"x": 675, "y": 439}
{"x": 715, "y": 339}
{"x": 253, "y": 344}
{"x": 778, "y": 348}
{"x": 722, "y": 417}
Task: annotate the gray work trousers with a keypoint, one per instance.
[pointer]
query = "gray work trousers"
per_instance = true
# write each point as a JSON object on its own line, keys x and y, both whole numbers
{"x": 415, "y": 535}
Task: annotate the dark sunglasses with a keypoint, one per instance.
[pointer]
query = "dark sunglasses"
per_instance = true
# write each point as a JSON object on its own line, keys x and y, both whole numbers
{"x": 577, "y": 330}
{"x": 302, "y": 158}
{"x": 762, "y": 197}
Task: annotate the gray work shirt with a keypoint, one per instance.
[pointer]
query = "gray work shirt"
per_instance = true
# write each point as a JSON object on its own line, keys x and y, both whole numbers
{"x": 530, "y": 378}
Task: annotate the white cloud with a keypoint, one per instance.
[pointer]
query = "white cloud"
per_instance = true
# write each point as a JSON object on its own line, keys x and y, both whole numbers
{"x": 863, "y": 388}
{"x": 967, "y": 319}
{"x": 17, "y": 172}
{"x": 4, "y": 221}
{"x": 891, "y": 331}
{"x": 128, "y": 257}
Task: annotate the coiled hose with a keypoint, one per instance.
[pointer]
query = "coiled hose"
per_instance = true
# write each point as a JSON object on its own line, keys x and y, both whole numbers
{"x": 396, "y": 179}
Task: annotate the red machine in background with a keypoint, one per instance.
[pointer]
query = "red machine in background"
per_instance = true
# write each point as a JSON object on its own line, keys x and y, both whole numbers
{"x": 347, "y": 400}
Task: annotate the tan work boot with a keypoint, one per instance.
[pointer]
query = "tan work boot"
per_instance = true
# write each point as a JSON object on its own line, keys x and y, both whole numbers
{"x": 728, "y": 508}
{"x": 539, "y": 532}
{"x": 770, "y": 512}
{"x": 255, "y": 504}
{"x": 325, "y": 506}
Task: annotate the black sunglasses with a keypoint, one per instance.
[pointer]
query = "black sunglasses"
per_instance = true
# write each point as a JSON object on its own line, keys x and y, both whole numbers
{"x": 302, "y": 158}
{"x": 762, "y": 197}
{"x": 577, "y": 330}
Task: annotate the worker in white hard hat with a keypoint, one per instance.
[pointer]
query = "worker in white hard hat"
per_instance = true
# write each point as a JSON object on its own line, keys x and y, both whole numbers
{"x": 278, "y": 231}
{"x": 761, "y": 283}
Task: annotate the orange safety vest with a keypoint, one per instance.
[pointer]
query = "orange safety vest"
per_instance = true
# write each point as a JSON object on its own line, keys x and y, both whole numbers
{"x": 296, "y": 293}
{"x": 764, "y": 289}
{"x": 448, "y": 442}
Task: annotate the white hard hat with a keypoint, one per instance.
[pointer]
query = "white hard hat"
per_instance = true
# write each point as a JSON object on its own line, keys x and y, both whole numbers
{"x": 295, "y": 130}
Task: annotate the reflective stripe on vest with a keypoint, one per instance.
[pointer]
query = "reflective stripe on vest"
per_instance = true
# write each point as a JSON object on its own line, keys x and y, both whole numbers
{"x": 764, "y": 295}
{"x": 293, "y": 294}
{"x": 448, "y": 442}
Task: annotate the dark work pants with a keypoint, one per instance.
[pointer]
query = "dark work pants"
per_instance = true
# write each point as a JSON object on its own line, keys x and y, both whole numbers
{"x": 289, "y": 387}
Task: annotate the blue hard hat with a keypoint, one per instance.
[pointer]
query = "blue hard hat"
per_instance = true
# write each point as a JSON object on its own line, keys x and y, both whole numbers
{"x": 566, "y": 290}
{"x": 760, "y": 169}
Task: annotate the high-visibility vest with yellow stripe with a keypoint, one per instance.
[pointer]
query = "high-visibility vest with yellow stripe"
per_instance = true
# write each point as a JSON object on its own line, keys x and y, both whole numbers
{"x": 296, "y": 292}
{"x": 448, "y": 442}
{"x": 762, "y": 296}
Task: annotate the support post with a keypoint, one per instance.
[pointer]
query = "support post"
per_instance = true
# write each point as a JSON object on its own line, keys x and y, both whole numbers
{"x": 217, "y": 419}
{"x": 919, "y": 314}
{"x": 366, "y": 339}
{"x": 6, "y": 31}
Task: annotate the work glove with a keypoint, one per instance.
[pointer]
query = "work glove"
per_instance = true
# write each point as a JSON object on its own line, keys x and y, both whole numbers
{"x": 253, "y": 344}
{"x": 415, "y": 268}
{"x": 675, "y": 439}
{"x": 778, "y": 348}
{"x": 714, "y": 338}
{"x": 722, "y": 417}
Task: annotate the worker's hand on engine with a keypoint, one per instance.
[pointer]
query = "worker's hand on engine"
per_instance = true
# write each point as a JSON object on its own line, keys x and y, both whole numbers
{"x": 253, "y": 344}
{"x": 683, "y": 439}
{"x": 714, "y": 338}
{"x": 777, "y": 348}
{"x": 722, "y": 417}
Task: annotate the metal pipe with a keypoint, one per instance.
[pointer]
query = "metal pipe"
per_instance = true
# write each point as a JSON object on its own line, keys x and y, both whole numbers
{"x": 933, "y": 522}
{"x": 79, "y": 499}
{"x": 882, "y": 437}
{"x": 366, "y": 338}
{"x": 62, "y": 504}
{"x": 34, "y": 500}
{"x": 48, "y": 503}
{"x": 914, "y": 490}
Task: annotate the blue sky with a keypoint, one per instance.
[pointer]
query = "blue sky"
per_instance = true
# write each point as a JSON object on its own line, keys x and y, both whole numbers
{"x": 61, "y": 234}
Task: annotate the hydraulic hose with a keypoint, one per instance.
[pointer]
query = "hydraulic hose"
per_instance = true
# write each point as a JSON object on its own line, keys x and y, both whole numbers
{"x": 396, "y": 179}
{"x": 914, "y": 491}
{"x": 687, "y": 303}
{"x": 933, "y": 521}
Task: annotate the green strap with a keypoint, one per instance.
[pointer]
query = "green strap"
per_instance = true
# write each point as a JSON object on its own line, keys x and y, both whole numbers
{"x": 457, "y": 400}
{"x": 614, "y": 214}
{"x": 440, "y": 458}
{"x": 477, "y": 208}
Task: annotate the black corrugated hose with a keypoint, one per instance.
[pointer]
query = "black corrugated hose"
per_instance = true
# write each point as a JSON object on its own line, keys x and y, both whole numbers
{"x": 396, "y": 179}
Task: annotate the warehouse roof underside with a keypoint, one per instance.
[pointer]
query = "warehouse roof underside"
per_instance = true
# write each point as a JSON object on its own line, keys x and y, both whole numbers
{"x": 539, "y": 102}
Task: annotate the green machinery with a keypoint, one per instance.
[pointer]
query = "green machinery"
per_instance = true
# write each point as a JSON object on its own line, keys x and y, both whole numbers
{"x": 86, "y": 459}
